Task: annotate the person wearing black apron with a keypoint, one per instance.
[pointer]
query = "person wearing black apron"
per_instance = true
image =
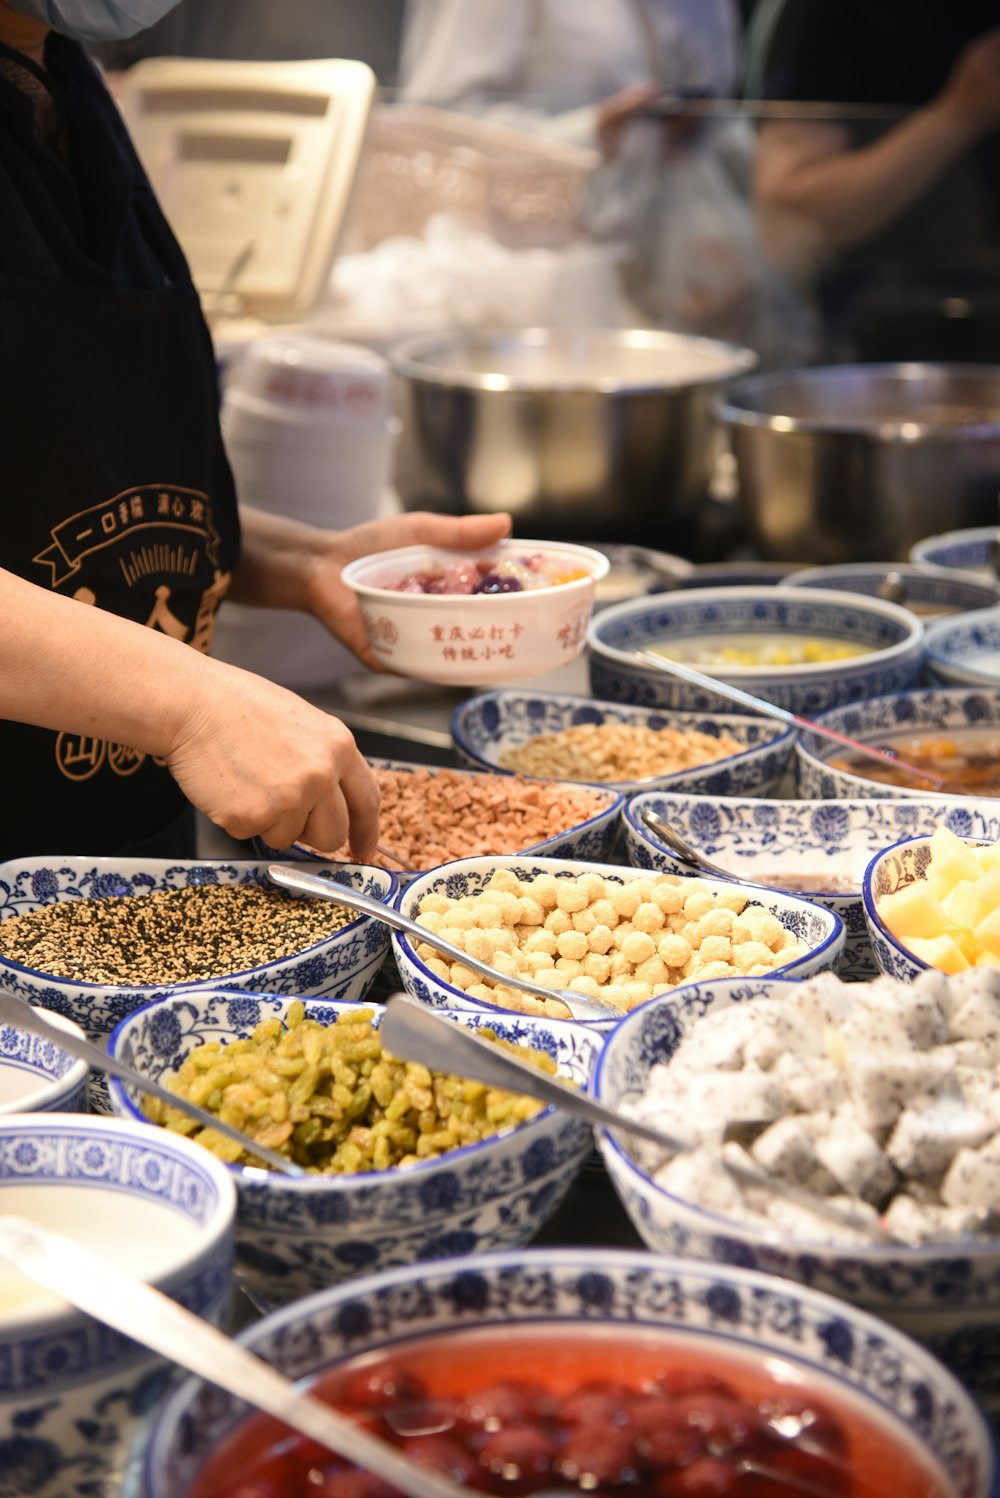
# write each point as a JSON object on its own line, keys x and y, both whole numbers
{"x": 118, "y": 501}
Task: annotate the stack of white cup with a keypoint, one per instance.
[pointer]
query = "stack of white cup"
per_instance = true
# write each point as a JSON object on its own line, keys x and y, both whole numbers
{"x": 309, "y": 434}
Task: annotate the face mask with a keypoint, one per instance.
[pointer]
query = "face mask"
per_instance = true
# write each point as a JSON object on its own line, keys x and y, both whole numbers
{"x": 95, "y": 20}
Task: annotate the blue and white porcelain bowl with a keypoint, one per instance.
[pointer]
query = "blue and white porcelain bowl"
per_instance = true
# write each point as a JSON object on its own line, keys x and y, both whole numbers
{"x": 917, "y": 714}
{"x": 901, "y": 863}
{"x": 296, "y": 1236}
{"x": 818, "y": 929}
{"x": 343, "y": 965}
{"x": 799, "y": 838}
{"x": 969, "y": 551}
{"x": 926, "y": 593}
{"x": 714, "y": 1310}
{"x": 965, "y": 651}
{"x": 484, "y": 727}
{"x": 36, "y": 1076}
{"x": 891, "y": 636}
{"x": 593, "y": 838}
{"x": 946, "y": 1296}
{"x": 74, "y": 1396}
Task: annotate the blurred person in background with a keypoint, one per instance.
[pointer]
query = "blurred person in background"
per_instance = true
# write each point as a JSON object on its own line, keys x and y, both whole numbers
{"x": 268, "y": 31}
{"x": 898, "y": 220}
{"x": 121, "y": 532}
{"x": 574, "y": 68}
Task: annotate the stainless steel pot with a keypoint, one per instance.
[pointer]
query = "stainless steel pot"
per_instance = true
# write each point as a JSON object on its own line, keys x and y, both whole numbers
{"x": 594, "y": 433}
{"x": 854, "y": 463}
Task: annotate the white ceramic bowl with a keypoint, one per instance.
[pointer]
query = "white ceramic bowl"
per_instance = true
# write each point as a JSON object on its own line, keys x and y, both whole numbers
{"x": 965, "y": 651}
{"x": 75, "y": 1397}
{"x": 967, "y": 551}
{"x": 820, "y": 930}
{"x": 940, "y": 708}
{"x": 899, "y": 864}
{"x": 753, "y": 837}
{"x": 36, "y": 1076}
{"x": 892, "y": 635}
{"x": 947, "y": 1296}
{"x": 590, "y": 839}
{"x": 686, "y": 1308}
{"x": 294, "y": 1236}
{"x": 926, "y": 593}
{"x": 485, "y": 726}
{"x": 469, "y": 639}
{"x": 344, "y": 964}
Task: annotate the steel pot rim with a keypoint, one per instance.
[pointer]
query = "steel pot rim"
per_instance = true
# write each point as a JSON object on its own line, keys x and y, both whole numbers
{"x": 738, "y": 406}
{"x": 412, "y": 359}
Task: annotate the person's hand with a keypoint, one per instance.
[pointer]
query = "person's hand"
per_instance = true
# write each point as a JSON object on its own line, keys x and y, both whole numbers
{"x": 261, "y": 762}
{"x": 972, "y": 93}
{"x": 618, "y": 111}
{"x": 336, "y": 605}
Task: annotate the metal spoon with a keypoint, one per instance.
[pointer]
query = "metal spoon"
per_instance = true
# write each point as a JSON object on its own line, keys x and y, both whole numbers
{"x": 892, "y": 588}
{"x": 310, "y": 884}
{"x": 414, "y": 1032}
{"x": 684, "y": 850}
{"x": 92, "y": 1284}
{"x": 24, "y": 1016}
{"x": 771, "y": 710}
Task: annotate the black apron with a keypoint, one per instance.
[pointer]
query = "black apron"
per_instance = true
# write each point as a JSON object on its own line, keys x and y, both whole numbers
{"x": 114, "y": 486}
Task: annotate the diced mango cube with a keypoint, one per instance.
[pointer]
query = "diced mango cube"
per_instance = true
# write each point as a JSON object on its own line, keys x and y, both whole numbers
{"x": 912, "y": 910}
{"x": 940, "y": 952}
{"x": 987, "y": 932}
{"x": 964, "y": 904}
{"x": 988, "y": 889}
{"x": 951, "y": 858}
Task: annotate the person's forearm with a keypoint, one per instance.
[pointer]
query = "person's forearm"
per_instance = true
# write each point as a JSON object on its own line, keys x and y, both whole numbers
{"x": 277, "y": 559}
{"x": 849, "y": 195}
{"x": 70, "y": 666}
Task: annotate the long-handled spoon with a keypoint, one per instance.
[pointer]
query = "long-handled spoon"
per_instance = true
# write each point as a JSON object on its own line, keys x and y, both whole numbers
{"x": 24, "y": 1016}
{"x": 87, "y": 1280}
{"x": 783, "y": 714}
{"x": 415, "y": 1033}
{"x": 685, "y": 852}
{"x": 310, "y": 884}
{"x": 90, "y": 1282}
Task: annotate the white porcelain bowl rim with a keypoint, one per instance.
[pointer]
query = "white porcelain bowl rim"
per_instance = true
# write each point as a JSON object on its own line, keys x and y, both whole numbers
{"x": 200, "y": 983}
{"x": 357, "y": 574}
{"x": 911, "y": 626}
{"x": 881, "y": 1252}
{"x": 835, "y": 936}
{"x": 619, "y": 711}
{"x": 209, "y": 1234}
{"x": 362, "y": 1179}
{"x": 75, "y": 1076}
{"x": 593, "y": 1261}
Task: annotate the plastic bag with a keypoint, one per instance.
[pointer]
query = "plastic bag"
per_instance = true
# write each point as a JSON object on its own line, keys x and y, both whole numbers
{"x": 691, "y": 254}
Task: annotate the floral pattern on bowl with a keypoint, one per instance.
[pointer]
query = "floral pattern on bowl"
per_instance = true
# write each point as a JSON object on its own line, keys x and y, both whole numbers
{"x": 965, "y": 651}
{"x": 901, "y": 712}
{"x": 709, "y": 1303}
{"x": 968, "y": 551}
{"x": 487, "y": 725}
{"x": 74, "y": 1396}
{"x": 294, "y": 1236}
{"x": 344, "y": 964}
{"x": 820, "y": 930}
{"x": 947, "y": 1297}
{"x": 757, "y": 837}
{"x": 58, "y": 1081}
{"x": 893, "y": 634}
{"x": 907, "y": 859}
